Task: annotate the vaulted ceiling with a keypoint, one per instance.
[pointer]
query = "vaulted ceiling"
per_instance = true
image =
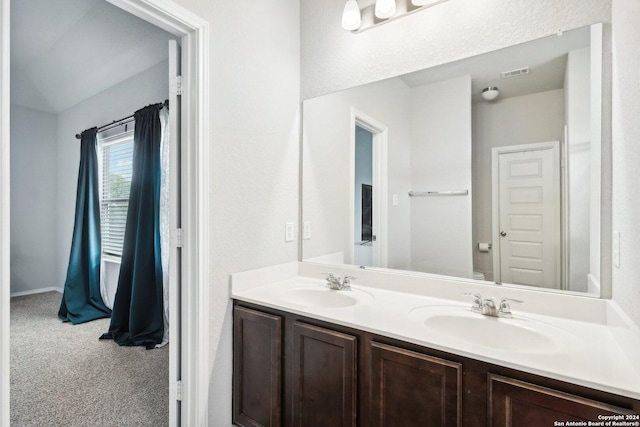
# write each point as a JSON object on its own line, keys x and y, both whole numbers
{"x": 66, "y": 51}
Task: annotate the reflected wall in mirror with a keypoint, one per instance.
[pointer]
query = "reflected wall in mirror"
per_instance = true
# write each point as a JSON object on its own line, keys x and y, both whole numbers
{"x": 421, "y": 173}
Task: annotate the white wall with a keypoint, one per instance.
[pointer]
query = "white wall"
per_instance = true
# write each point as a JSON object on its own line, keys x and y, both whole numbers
{"x": 33, "y": 199}
{"x": 334, "y": 59}
{"x": 255, "y": 148}
{"x": 578, "y": 120}
{"x": 326, "y": 160}
{"x": 441, "y": 161}
{"x": 626, "y": 153}
{"x": 148, "y": 87}
{"x": 519, "y": 120}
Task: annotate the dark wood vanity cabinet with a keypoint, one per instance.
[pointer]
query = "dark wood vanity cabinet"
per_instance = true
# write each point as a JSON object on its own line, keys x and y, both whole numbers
{"x": 257, "y": 368}
{"x": 413, "y": 389}
{"x": 514, "y": 403}
{"x": 295, "y": 371}
{"x": 324, "y": 379}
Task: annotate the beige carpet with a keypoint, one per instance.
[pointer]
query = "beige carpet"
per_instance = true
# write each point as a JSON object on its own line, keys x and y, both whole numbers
{"x": 62, "y": 375}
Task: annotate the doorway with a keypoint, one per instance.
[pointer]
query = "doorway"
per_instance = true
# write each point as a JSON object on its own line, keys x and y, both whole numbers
{"x": 364, "y": 237}
{"x": 192, "y": 236}
{"x": 526, "y": 214}
{"x": 368, "y": 195}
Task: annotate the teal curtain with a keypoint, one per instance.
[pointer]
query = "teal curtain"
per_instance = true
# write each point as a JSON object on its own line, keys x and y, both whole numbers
{"x": 137, "y": 318}
{"x": 81, "y": 300}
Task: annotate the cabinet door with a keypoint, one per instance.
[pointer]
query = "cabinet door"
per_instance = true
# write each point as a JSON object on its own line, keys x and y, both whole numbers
{"x": 324, "y": 377}
{"x": 413, "y": 389}
{"x": 257, "y": 344}
{"x": 518, "y": 403}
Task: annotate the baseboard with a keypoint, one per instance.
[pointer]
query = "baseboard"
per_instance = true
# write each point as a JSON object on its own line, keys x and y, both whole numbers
{"x": 36, "y": 291}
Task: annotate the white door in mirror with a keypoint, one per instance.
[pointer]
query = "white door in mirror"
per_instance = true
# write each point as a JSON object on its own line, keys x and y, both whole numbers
{"x": 529, "y": 214}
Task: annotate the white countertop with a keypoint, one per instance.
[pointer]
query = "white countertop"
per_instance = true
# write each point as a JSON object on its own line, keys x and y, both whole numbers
{"x": 594, "y": 343}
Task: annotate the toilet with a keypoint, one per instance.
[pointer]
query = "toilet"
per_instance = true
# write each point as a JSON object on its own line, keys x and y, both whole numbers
{"x": 478, "y": 276}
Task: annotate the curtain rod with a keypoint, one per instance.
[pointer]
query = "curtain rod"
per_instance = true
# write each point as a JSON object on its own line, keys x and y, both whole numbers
{"x": 122, "y": 121}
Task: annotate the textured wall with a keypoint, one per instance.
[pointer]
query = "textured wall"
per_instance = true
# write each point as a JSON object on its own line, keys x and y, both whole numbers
{"x": 626, "y": 153}
{"x": 334, "y": 59}
{"x": 255, "y": 137}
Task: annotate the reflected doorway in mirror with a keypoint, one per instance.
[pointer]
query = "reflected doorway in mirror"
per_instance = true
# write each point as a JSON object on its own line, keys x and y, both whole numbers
{"x": 526, "y": 214}
{"x": 368, "y": 190}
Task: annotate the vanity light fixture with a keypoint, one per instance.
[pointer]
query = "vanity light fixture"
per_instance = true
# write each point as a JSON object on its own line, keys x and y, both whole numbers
{"x": 385, "y": 9}
{"x": 490, "y": 93}
{"x": 351, "y": 19}
{"x": 361, "y": 15}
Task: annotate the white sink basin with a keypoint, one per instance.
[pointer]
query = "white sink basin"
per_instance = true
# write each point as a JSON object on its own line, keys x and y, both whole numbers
{"x": 519, "y": 334}
{"x": 321, "y": 296}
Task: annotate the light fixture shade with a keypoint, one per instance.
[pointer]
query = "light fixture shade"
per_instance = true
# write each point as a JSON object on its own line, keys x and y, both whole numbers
{"x": 424, "y": 2}
{"x": 490, "y": 93}
{"x": 351, "y": 19}
{"x": 385, "y": 8}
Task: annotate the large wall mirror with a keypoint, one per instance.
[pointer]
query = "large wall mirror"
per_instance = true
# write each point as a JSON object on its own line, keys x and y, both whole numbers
{"x": 439, "y": 172}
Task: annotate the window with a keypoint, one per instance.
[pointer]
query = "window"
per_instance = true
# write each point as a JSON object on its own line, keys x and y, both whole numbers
{"x": 116, "y": 154}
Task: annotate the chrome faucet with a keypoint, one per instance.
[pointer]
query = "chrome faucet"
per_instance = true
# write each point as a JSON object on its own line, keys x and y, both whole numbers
{"x": 505, "y": 309}
{"x": 477, "y": 302}
{"x": 338, "y": 284}
{"x": 487, "y": 306}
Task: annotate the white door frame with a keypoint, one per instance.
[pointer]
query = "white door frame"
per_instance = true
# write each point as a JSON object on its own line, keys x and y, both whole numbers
{"x": 495, "y": 185}
{"x": 380, "y": 149}
{"x": 194, "y": 33}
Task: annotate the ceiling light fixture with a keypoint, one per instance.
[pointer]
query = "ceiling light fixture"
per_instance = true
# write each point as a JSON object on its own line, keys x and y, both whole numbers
{"x": 385, "y": 9}
{"x": 351, "y": 19}
{"x": 490, "y": 93}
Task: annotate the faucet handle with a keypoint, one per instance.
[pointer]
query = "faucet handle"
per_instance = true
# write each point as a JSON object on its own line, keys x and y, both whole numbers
{"x": 346, "y": 282}
{"x": 333, "y": 281}
{"x": 505, "y": 309}
{"x": 477, "y": 301}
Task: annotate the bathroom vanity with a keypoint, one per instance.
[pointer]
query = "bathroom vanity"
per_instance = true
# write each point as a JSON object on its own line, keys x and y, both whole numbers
{"x": 306, "y": 355}
{"x": 448, "y": 207}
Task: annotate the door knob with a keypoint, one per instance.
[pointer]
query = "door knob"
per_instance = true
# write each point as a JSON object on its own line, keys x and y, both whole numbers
{"x": 503, "y": 233}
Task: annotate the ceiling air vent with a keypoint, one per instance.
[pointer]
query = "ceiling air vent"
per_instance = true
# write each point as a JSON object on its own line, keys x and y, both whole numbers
{"x": 514, "y": 73}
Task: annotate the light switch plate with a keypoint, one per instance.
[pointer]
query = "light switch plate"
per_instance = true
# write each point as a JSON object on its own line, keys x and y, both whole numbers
{"x": 395, "y": 200}
{"x": 306, "y": 230}
{"x": 616, "y": 249}
{"x": 288, "y": 232}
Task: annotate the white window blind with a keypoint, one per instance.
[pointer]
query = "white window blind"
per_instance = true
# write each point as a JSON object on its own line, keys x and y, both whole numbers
{"x": 117, "y": 162}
